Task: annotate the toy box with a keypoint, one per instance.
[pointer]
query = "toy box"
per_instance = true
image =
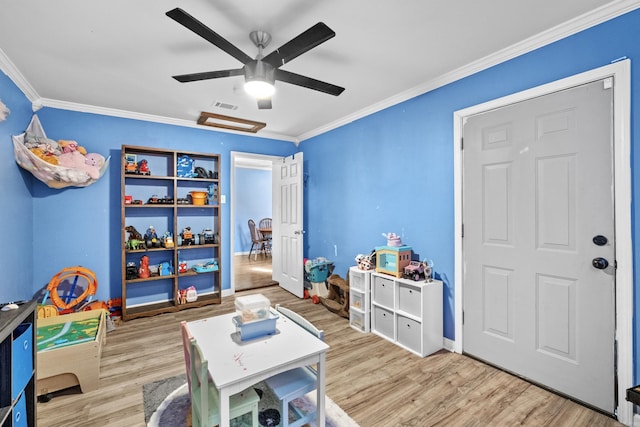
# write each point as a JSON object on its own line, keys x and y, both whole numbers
{"x": 252, "y": 307}
{"x": 256, "y": 329}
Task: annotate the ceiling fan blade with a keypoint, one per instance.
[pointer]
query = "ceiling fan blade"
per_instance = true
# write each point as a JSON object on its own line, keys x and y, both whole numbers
{"x": 264, "y": 104}
{"x": 306, "y": 41}
{"x": 308, "y": 82}
{"x": 183, "y": 18}
{"x": 184, "y": 78}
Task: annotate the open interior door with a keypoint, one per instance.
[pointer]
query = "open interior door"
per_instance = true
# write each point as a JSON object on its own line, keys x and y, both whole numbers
{"x": 288, "y": 233}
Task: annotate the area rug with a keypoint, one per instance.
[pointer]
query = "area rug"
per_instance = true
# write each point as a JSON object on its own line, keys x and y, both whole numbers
{"x": 167, "y": 404}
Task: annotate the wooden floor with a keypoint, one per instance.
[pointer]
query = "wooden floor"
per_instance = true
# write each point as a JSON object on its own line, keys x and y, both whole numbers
{"x": 374, "y": 381}
{"x": 252, "y": 272}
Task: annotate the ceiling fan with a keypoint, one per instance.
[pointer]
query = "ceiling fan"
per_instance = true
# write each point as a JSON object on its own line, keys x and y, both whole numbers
{"x": 262, "y": 71}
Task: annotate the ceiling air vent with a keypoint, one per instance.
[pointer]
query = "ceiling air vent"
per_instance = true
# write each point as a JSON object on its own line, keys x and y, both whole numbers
{"x": 225, "y": 105}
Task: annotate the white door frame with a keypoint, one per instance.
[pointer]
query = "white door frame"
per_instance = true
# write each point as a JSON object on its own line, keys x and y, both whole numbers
{"x": 236, "y": 158}
{"x": 621, "y": 73}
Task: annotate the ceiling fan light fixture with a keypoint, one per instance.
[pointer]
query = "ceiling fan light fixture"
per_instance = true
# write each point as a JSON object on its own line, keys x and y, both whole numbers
{"x": 259, "y": 89}
{"x": 259, "y": 79}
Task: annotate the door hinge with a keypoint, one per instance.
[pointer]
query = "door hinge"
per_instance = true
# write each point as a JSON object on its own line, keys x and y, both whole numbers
{"x": 462, "y": 231}
{"x": 463, "y": 317}
{"x": 461, "y": 144}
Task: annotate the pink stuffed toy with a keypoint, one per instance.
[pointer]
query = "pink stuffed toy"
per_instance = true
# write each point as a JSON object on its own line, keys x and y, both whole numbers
{"x": 76, "y": 160}
{"x": 94, "y": 159}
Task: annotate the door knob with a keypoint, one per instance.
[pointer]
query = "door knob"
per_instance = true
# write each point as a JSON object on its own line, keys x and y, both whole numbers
{"x": 600, "y": 263}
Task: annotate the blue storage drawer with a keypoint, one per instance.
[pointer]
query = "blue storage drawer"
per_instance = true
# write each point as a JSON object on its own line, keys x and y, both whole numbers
{"x": 20, "y": 413}
{"x": 21, "y": 358}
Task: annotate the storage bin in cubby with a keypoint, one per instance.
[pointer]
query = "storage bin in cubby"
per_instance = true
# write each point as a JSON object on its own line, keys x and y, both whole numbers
{"x": 409, "y": 333}
{"x": 383, "y": 321}
{"x": 21, "y": 358}
{"x": 20, "y": 412}
{"x": 383, "y": 291}
{"x": 409, "y": 299}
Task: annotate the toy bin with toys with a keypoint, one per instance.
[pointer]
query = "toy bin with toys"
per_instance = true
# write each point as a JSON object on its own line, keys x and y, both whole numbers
{"x": 252, "y": 307}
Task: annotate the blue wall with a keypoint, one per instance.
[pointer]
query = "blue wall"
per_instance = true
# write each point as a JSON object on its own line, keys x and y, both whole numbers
{"x": 253, "y": 201}
{"x": 16, "y": 214}
{"x": 393, "y": 171}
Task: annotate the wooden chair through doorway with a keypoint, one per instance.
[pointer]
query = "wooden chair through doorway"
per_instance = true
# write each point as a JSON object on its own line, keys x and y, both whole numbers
{"x": 264, "y": 227}
{"x": 257, "y": 240}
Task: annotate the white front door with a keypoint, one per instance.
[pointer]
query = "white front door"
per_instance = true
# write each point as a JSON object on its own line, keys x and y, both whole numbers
{"x": 288, "y": 232}
{"x": 537, "y": 211}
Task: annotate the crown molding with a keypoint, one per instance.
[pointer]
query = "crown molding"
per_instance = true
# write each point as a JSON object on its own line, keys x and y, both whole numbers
{"x": 568, "y": 28}
{"x": 84, "y": 108}
{"x": 17, "y": 78}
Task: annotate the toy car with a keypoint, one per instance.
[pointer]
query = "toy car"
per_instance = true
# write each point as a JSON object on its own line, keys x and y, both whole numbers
{"x": 415, "y": 270}
{"x": 207, "y": 238}
{"x": 167, "y": 240}
{"x": 151, "y": 238}
{"x": 130, "y": 167}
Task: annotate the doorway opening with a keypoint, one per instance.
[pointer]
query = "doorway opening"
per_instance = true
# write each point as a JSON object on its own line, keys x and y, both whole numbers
{"x": 251, "y": 198}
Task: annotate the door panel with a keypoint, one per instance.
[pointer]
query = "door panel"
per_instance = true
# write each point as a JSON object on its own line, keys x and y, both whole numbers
{"x": 537, "y": 187}
{"x": 288, "y": 230}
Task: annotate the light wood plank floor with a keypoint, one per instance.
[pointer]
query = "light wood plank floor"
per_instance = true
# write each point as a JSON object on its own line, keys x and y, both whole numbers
{"x": 374, "y": 381}
{"x": 252, "y": 273}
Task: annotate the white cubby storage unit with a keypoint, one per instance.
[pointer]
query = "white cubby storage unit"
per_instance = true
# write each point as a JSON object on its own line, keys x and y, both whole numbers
{"x": 407, "y": 313}
{"x": 360, "y": 299}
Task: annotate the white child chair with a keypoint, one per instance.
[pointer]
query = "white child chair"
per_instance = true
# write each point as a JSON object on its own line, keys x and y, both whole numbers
{"x": 204, "y": 395}
{"x": 290, "y": 385}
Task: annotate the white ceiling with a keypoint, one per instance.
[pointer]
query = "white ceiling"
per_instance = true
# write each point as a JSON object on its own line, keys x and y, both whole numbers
{"x": 117, "y": 57}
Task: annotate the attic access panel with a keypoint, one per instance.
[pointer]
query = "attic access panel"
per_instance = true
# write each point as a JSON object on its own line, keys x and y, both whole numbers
{"x": 228, "y": 122}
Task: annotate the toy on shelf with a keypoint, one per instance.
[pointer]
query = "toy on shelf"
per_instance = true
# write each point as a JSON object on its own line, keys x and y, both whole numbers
{"x": 151, "y": 238}
{"x": 184, "y": 167}
{"x": 207, "y": 237}
{"x": 143, "y": 167}
{"x": 189, "y": 294}
{"x": 366, "y": 262}
{"x": 165, "y": 268}
{"x": 135, "y": 240}
{"x": 414, "y": 271}
{"x": 186, "y": 237}
{"x": 393, "y": 239}
{"x": 205, "y": 267}
{"x": 167, "y": 240}
{"x": 392, "y": 259}
{"x": 143, "y": 271}
{"x": 132, "y": 271}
